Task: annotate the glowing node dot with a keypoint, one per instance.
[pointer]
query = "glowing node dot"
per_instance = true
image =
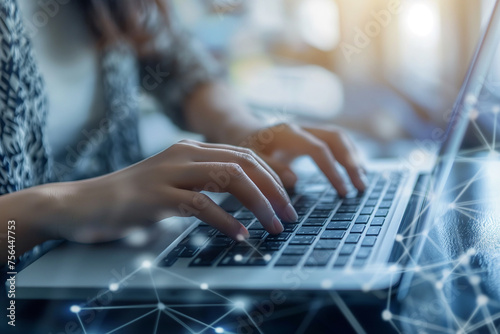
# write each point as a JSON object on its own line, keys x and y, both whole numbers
{"x": 366, "y": 287}
{"x": 326, "y": 284}
{"x": 399, "y": 237}
{"x": 219, "y": 330}
{"x": 240, "y": 237}
{"x": 460, "y": 332}
{"x": 439, "y": 285}
{"x": 482, "y": 300}
{"x": 75, "y": 309}
{"x": 146, "y": 264}
{"x": 386, "y": 315}
{"x": 475, "y": 280}
{"x": 474, "y": 114}
{"x": 464, "y": 258}
{"x": 393, "y": 268}
{"x": 425, "y": 233}
{"x": 204, "y": 286}
{"x": 446, "y": 272}
{"x": 239, "y": 304}
{"x": 495, "y": 109}
{"x": 471, "y": 99}
{"x": 238, "y": 257}
{"x": 161, "y": 306}
{"x": 267, "y": 257}
{"x": 417, "y": 269}
{"x": 452, "y": 206}
{"x": 114, "y": 286}
{"x": 471, "y": 251}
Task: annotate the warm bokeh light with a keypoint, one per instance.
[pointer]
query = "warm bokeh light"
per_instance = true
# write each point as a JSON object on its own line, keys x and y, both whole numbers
{"x": 421, "y": 18}
{"x": 319, "y": 23}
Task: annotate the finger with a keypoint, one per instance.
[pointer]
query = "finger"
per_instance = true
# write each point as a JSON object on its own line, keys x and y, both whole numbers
{"x": 202, "y": 207}
{"x": 272, "y": 190}
{"x": 343, "y": 152}
{"x": 288, "y": 177}
{"x": 241, "y": 150}
{"x": 231, "y": 177}
{"x": 323, "y": 157}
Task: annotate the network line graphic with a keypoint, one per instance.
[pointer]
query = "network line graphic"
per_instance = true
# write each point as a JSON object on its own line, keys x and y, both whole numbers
{"x": 434, "y": 277}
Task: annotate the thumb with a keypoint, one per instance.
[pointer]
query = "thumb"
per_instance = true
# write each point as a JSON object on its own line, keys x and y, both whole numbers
{"x": 285, "y": 173}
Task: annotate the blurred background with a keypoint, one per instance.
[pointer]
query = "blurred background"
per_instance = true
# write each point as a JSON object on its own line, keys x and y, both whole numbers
{"x": 384, "y": 69}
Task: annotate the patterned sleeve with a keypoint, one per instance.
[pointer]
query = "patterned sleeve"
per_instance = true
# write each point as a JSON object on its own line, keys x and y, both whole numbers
{"x": 24, "y": 161}
{"x": 181, "y": 65}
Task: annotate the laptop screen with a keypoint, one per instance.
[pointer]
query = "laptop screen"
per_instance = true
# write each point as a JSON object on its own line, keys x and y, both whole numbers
{"x": 477, "y": 95}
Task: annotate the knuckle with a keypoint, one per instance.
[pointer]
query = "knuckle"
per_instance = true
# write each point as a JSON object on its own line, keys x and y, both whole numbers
{"x": 247, "y": 158}
{"x": 235, "y": 170}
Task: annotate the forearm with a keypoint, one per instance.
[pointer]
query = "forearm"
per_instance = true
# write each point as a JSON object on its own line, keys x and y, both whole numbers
{"x": 214, "y": 111}
{"x": 34, "y": 211}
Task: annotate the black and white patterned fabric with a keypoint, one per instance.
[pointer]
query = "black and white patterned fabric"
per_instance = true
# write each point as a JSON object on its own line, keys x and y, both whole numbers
{"x": 25, "y": 159}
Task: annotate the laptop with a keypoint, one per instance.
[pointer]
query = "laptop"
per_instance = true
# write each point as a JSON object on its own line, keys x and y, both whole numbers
{"x": 363, "y": 242}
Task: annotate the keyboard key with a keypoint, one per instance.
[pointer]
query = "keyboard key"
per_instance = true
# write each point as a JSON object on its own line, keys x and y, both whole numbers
{"x": 359, "y": 263}
{"x": 343, "y": 216}
{"x": 347, "y": 249}
{"x": 236, "y": 258}
{"x": 308, "y": 230}
{"x": 353, "y": 238}
{"x": 302, "y": 240}
{"x": 338, "y": 225}
{"x": 348, "y": 208}
{"x": 364, "y": 252}
{"x": 327, "y": 244}
{"x": 381, "y": 213}
{"x": 373, "y": 230}
{"x": 245, "y": 222}
{"x": 371, "y": 202}
{"x": 367, "y": 210}
{"x": 375, "y": 195}
{"x": 271, "y": 245}
{"x": 189, "y": 251}
{"x": 325, "y": 207}
{"x": 362, "y": 219}
{"x": 385, "y": 204}
{"x": 279, "y": 237}
{"x": 244, "y": 215}
{"x": 341, "y": 261}
{"x": 288, "y": 260}
{"x": 352, "y": 201}
{"x": 256, "y": 226}
{"x": 296, "y": 250}
{"x": 260, "y": 259}
{"x": 315, "y": 222}
{"x": 290, "y": 227}
{"x": 256, "y": 234}
{"x": 221, "y": 242}
{"x": 377, "y": 221}
{"x": 333, "y": 234}
{"x": 320, "y": 214}
{"x": 318, "y": 258}
{"x": 389, "y": 197}
{"x": 358, "y": 228}
{"x": 207, "y": 256}
{"x": 369, "y": 241}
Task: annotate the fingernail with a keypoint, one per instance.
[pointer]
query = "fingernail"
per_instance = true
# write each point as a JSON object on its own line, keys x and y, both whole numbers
{"x": 291, "y": 214}
{"x": 278, "y": 227}
{"x": 242, "y": 234}
{"x": 289, "y": 179}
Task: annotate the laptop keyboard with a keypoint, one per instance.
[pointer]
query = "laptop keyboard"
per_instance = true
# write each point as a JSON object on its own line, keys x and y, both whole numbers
{"x": 331, "y": 231}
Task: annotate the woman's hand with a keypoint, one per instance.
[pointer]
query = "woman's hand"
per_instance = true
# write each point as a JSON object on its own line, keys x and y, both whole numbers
{"x": 169, "y": 184}
{"x": 279, "y": 145}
